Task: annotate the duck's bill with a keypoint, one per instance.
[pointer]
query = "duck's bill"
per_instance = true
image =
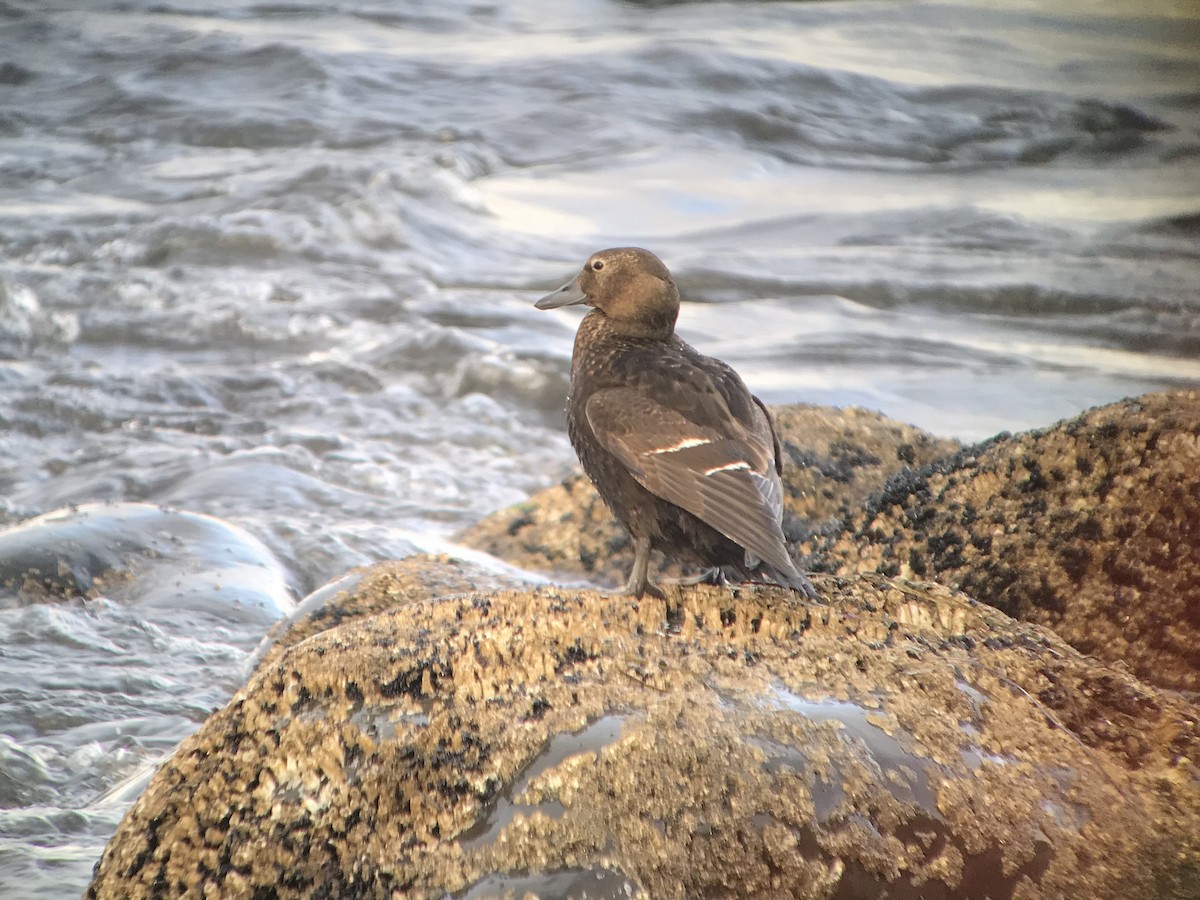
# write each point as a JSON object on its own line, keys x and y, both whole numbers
{"x": 567, "y": 295}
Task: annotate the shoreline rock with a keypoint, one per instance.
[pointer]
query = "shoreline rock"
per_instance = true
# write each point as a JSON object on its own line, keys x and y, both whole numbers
{"x": 433, "y": 727}
{"x": 726, "y": 743}
{"x": 370, "y": 590}
{"x": 1090, "y": 526}
{"x": 143, "y": 555}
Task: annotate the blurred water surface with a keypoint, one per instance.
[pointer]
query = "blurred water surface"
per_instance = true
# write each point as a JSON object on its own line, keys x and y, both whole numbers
{"x": 274, "y": 263}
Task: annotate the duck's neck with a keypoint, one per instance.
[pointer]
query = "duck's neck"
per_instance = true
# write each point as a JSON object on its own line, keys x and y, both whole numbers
{"x": 650, "y": 327}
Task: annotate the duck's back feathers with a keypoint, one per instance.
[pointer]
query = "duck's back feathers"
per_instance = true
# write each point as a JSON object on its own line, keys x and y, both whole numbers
{"x": 727, "y": 480}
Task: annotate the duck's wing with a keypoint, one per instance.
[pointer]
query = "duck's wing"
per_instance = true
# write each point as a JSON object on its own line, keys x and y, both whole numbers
{"x": 720, "y": 471}
{"x": 775, "y": 446}
{"x": 726, "y": 399}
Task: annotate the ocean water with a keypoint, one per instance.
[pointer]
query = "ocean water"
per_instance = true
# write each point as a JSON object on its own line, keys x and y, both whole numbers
{"x": 267, "y": 276}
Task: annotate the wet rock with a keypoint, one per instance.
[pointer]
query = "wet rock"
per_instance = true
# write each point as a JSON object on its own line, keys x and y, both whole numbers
{"x": 833, "y": 460}
{"x": 1091, "y": 526}
{"x": 142, "y": 555}
{"x": 727, "y": 743}
{"x": 370, "y": 590}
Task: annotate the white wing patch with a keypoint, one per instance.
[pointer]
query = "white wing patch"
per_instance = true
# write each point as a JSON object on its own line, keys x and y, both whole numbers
{"x": 683, "y": 445}
{"x": 728, "y": 467}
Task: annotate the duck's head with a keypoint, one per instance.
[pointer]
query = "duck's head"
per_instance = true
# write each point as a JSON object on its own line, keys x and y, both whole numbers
{"x": 629, "y": 285}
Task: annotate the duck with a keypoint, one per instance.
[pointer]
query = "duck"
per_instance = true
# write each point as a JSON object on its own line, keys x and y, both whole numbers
{"x": 687, "y": 459}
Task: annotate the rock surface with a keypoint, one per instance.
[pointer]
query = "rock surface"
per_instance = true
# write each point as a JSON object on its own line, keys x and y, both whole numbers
{"x": 834, "y": 459}
{"x": 1091, "y": 526}
{"x": 145, "y": 556}
{"x": 375, "y": 589}
{"x": 727, "y": 743}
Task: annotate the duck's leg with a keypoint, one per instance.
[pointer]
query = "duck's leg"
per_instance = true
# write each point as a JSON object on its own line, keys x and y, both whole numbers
{"x": 639, "y": 576}
{"x": 711, "y": 575}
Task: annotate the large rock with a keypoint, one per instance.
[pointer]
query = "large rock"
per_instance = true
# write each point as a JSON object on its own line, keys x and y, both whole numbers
{"x": 834, "y": 459}
{"x": 1091, "y": 526}
{"x": 901, "y": 741}
{"x": 374, "y": 589}
{"x": 144, "y": 556}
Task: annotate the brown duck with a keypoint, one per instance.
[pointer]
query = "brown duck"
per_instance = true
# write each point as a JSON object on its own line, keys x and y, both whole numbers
{"x": 684, "y": 455}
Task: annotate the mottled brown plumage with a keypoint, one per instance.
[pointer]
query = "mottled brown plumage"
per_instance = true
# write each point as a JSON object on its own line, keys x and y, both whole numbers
{"x": 683, "y": 453}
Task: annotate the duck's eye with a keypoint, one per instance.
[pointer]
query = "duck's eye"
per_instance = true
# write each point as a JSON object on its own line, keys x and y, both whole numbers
{"x": 597, "y": 266}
